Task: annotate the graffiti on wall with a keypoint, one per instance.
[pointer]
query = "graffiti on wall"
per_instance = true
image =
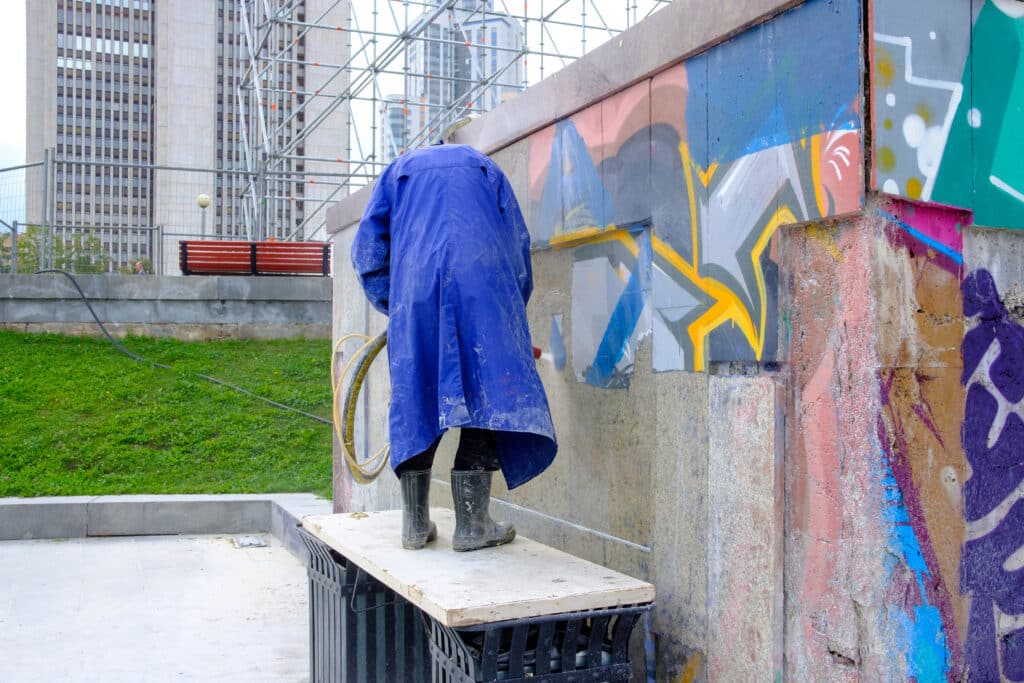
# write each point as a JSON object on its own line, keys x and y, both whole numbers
{"x": 833, "y": 462}
{"x": 948, "y": 469}
{"x": 875, "y": 462}
{"x": 992, "y": 568}
{"x": 920, "y": 264}
{"x": 948, "y": 98}
{"x": 671, "y": 193}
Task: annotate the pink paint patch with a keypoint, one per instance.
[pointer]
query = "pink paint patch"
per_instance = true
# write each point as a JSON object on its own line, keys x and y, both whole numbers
{"x": 624, "y": 115}
{"x": 836, "y": 566}
{"x": 541, "y": 143}
{"x": 841, "y": 170}
{"x": 937, "y": 222}
{"x": 824, "y": 520}
{"x": 588, "y": 124}
{"x": 669, "y": 91}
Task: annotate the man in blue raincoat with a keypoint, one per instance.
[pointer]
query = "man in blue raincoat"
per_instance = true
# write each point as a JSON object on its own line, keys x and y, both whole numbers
{"x": 443, "y": 250}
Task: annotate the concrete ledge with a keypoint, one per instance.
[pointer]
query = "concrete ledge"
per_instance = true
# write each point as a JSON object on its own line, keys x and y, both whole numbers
{"x": 24, "y": 518}
{"x": 143, "y": 516}
{"x": 182, "y": 331}
{"x": 88, "y": 516}
{"x": 201, "y": 307}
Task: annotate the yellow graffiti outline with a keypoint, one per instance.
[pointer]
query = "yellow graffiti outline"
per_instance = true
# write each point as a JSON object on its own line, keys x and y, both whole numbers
{"x": 706, "y": 174}
{"x": 727, "y": 304}
{"x": 588, "y": 235}
{"x": 819, "y": 195}
{"x": 688, "y": 167}
{"x": 821, "y": 235}
{"x": 781, "y": 217}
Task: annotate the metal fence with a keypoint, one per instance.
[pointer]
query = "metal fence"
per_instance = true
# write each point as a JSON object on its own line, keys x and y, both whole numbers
{"x": 109, "y": 217}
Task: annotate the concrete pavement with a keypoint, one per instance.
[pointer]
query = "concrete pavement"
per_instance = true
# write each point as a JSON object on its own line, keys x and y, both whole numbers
{"x": 214, "y": 607}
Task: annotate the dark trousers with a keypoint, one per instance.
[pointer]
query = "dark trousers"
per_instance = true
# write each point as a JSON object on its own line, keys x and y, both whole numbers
{"x": 478, "y": 450}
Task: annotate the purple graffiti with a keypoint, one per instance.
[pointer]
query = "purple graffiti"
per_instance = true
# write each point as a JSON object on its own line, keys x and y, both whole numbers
{"x": 993, "y": 431}
{"x": 981, "y": 299}
{"x": 1013, "y": 655}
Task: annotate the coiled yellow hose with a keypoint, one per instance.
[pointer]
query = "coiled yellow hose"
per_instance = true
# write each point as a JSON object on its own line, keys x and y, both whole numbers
{"x": 344, "y": 423}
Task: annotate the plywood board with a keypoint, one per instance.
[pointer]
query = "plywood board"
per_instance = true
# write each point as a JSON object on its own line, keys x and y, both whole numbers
{"x": 515, "y": 581}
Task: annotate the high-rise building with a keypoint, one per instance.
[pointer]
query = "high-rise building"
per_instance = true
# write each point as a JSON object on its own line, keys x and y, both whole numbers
{"x": 394, "y": 122}
{"x": 468, "y": 59}
{"x": 120, "y": 90}
{"x": 92, "y": 97}
{"x": 495, "y": 56}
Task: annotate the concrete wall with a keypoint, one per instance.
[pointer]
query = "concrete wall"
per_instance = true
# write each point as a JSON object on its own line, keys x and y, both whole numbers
{"x": 872, "y": 453}
{"x": 792, "y": 402}
{"x": 192, "y": 308}
{"x": 903, "y": 465}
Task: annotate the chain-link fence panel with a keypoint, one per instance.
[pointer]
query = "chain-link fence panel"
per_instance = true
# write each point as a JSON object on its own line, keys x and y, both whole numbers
{"x": 107, "y": 217}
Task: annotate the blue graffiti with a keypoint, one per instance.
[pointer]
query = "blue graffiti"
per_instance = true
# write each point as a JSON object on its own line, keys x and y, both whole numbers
{"x": 557, "y": 343}
{"x": 921, "y": 637}
{"x": 574, "y": 193}
{"x": 624, "y": 319}
{"x": 938, "y": 246}
{"x": 736, "y": 90}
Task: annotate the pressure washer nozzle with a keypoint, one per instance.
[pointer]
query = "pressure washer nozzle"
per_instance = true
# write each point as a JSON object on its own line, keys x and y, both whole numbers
{"x": 540, "y": 355}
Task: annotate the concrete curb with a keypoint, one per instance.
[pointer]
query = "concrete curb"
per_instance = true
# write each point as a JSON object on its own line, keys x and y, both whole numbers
{"x": 91, "y": 516}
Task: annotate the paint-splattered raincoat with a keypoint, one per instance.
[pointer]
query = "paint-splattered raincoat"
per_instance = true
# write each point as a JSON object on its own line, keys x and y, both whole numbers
{"x": 443, "y": 250}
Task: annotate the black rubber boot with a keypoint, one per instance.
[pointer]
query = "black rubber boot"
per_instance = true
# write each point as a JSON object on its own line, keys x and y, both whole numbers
{"x": 417, "y": 529}
{"x": 474, "y": 528}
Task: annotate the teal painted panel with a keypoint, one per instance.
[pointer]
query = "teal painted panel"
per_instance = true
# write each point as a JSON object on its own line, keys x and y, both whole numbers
{"x": 948, "y": 104}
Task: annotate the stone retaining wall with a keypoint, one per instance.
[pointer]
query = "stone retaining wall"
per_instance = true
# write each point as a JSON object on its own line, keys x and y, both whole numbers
{"x": 191, "y": 308}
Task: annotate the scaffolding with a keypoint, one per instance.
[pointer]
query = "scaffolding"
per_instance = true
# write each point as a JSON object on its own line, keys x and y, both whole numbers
{"x": 332, "y": 90}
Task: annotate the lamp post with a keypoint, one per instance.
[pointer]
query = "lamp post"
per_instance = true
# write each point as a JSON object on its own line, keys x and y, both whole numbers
{"x": 203, "y": 201}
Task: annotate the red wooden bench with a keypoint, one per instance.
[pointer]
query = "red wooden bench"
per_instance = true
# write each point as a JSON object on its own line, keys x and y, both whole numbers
{"x": 219, "y": 257}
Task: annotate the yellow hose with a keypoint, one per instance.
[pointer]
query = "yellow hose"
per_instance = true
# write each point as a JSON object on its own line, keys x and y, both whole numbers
{"x": 344, "y": 424}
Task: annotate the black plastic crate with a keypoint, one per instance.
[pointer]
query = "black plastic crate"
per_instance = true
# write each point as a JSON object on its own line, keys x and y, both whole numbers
{"x": 359, "y": 629}
{"x": 583, "y": 646}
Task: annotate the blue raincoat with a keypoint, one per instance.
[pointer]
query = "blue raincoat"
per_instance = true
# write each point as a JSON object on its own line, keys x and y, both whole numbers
{"x": 443, "y": 250}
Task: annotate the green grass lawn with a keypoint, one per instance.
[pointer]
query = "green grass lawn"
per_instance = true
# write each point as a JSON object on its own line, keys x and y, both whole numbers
{"x": 78, "y": 417}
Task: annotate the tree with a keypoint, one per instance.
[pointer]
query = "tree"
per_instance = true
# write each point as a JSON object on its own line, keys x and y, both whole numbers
{"x": 78, "y": 253}
{"x": 29, "y": 247}
{"x": 5, "y": 253}
{"x": 81, "y": 254}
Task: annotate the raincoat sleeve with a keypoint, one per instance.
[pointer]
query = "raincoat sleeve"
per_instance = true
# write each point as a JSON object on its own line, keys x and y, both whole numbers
{"x": 371, "y": 248}
{"x": 517, "y": 231}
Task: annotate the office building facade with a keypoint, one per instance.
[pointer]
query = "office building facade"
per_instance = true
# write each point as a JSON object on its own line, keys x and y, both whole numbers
{"x": 468, "y": 59}
{"x": 143, "y": 105}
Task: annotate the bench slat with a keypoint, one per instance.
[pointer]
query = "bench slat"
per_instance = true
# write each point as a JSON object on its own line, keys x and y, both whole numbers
{"x": 253, "y": 258}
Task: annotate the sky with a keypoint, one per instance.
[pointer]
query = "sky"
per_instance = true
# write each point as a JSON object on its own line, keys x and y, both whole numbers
{"x": 12, "y": 77}
{"x": 12, "y": 82}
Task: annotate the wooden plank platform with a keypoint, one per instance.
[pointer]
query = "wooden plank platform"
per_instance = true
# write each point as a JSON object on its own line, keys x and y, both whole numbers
{"x": 520, "y": 580}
